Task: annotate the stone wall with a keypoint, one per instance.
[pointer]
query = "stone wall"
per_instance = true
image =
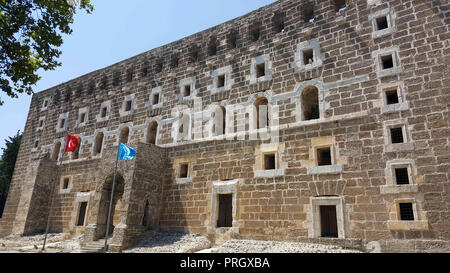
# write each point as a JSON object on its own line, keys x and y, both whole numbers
{"x": 349, "y": 72}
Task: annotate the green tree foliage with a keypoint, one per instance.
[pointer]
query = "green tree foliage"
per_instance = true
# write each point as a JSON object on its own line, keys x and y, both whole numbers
{"x": 7, "y": 163}
{"x": 30, "y": 35}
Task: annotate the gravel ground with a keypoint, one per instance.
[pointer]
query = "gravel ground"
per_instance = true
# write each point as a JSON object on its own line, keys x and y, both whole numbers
{"x": 171, "y": 242}
{"x": 56, "y": 242}
{"x": 253, "y": 246}
{"x": 167, "y": 242}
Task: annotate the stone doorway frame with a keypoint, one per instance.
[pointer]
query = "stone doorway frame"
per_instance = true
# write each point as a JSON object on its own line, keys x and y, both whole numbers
{"x": 223, "y": 187}
{"x": 316, "y": 202}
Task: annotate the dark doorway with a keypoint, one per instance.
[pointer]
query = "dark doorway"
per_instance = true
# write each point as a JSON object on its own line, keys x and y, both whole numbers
{"x": 225, "y": 218}
{"x": 328, "y": 221}
{"x": 82, "y": 213}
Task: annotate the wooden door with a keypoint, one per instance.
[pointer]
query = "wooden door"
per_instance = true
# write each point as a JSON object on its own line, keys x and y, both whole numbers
{"x": 225, "y": 218}
{"x": 328, "y": 221}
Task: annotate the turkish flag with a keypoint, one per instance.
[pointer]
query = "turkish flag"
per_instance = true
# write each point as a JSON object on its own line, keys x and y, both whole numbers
{"x": 72, "y": 143}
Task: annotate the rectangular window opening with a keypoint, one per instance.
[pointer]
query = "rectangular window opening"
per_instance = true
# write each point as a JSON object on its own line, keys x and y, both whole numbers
{"x": 382, "y": 23}
{"x": 387, "y": 61}
{"x": 308, "y": 56}
{"x": 391, "y": 97}
{"x": 221, "y": 81}
{"x": 184, "y": 170}
{"x": 82, "y": 117}
{"x": 41, "y": 123}
{"x": 63, "y": 122}
{"x": 104, "y": 110}
{"x": 156, "y": 98}
{"x": 324, "y": 156}
{"x": 82, "y": 213}
{"x": 397, "y": 135}
{"x": 309, "y": 14}
{"x": 401, "y": 176}
{"x": 225, "y": 217}
{"x": 269, "y": 162}
{"x": 406, "y": 211}
{"x": 260, "y": 70}
{"x": 128, "y": 106}
{"x": 187, "y": 90}
{"x": 65, "y": 183}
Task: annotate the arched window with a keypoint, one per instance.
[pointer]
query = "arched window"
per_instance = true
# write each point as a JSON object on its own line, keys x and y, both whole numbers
{"x": 76, "y": 153}
{"x": 262, "y": 115}
{"x": 98, "y": 144}
{"x": 124, "y": 135}
{"x": 219, "y": 121}
{"x": 310, "y": 103}
{"x": 151, "y": 133}
{"x": 56, "y": 150}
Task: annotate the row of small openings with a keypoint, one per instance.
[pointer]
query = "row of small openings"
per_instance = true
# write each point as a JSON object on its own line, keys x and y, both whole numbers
{"x": 254, "y": 34}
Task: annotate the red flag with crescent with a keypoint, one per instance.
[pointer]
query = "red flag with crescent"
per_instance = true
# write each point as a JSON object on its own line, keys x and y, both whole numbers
{"x": 72, "y": 143}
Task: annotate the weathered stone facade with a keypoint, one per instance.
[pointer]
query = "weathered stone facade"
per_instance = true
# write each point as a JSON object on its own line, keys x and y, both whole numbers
{"x": 291, "y": 109}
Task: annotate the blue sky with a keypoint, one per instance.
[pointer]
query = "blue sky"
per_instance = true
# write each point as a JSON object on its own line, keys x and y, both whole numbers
{"x": 116, "y": 31}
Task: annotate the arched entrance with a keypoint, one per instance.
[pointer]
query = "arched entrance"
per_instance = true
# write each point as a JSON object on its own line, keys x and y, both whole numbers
{"x": 104, "y": 204}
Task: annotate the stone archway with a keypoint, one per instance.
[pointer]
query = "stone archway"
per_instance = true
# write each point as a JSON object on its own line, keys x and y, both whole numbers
{"x": 104, "y": 203}
{"x": 98, "y": 217}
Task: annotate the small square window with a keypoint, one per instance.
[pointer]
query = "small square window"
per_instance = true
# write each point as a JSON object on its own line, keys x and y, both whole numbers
{"x": 156, "y": 98}
{"x": 397, "y": 135}
{"x": 260, "y": 70}
{"x": 221, "y": 81}
{"x": 324, "y": 156}
{"x": 382, "y": 23}
{"x": 128, "y": 106}
{"x": 401, "y": 176}
{"x": 308, "y": 56}
{"x": 387, "y": 61}
{"x": 269, "y": 162}
{"x": 391, "y": 96}
{"x": 184, "y": 170}
{"x": 406, "y": 211}
{"x": 82, "y": 117}
{"x": 187, "y": 90}
{"x": 104, "y": 110}
{"x": 65, "y": 183}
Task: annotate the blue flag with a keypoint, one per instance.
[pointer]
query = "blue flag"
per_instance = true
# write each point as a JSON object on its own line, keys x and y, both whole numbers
{"x": 126, "y": 152}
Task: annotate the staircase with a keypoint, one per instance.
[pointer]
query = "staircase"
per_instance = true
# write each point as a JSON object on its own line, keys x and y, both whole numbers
{"x": 94, "y": 247}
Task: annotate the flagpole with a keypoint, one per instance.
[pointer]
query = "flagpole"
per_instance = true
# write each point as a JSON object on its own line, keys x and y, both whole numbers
{"x": 53, "y": 195}
{"x": 105, "y": 249}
